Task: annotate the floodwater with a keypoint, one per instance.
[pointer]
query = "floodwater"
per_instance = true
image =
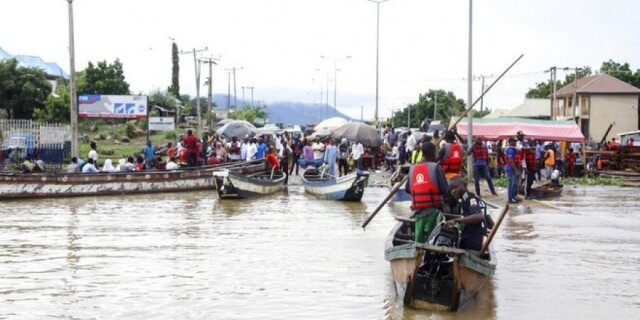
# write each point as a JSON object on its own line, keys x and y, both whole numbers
{"x": 289, "y": 256}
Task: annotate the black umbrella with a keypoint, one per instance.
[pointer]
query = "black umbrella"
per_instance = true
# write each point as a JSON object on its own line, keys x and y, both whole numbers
{"x": 358, "y": 132}
{"x": 238, "y": 129}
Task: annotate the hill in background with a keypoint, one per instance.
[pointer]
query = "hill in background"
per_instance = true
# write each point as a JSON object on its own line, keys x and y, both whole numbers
{"x": 290, "y": 112}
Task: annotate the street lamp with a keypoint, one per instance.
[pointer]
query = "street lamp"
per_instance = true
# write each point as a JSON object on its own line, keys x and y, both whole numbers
{"x": 335, "y": 80}
{"x": 470, "y": 91}
{"x": 327, "y": 92}
{"x": 377, "y": 2}
{"x": 72, "y": 84}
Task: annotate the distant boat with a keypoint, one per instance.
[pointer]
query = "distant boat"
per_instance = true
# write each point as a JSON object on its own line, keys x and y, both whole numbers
{"x": 243, "y": 185}
{"x": 349, "y": 187}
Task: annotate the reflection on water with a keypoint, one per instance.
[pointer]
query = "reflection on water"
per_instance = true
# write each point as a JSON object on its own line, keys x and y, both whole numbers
{"x": 290, "y": 256}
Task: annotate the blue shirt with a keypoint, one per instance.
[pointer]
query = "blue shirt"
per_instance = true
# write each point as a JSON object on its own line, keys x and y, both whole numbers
{"x": 149, "y": 152}
{"x": 511, "y": 154}
{"x": 262, "y": 149}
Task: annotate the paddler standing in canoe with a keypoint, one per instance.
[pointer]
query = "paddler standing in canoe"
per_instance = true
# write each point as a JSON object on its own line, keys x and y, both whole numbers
{"x": 428, "y": 186}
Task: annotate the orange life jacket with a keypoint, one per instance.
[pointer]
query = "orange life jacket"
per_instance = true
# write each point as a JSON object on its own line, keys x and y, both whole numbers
{"x": 452, "y": 161}
{"x": 424, "y": 188}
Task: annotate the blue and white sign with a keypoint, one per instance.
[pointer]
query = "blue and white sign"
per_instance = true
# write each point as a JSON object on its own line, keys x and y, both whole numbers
{"x": 109, "y": 106}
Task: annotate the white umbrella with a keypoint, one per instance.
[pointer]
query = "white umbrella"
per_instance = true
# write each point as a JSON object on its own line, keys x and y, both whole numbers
{"x": 330, "y": 124}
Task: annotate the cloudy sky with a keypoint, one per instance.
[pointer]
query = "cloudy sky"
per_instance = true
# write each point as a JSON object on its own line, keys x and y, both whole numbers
{"x": 278, "y": 43}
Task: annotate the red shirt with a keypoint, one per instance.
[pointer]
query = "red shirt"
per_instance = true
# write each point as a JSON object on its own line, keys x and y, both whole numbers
{"x": 213, "y": 161}
{"x": 191, "y": 143}
{"x": 273, "y": 161}
{"x": 571, "y": 158}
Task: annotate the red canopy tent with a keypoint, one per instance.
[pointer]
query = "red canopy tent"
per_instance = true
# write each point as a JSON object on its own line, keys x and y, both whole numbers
{"x": 503, "y": 128}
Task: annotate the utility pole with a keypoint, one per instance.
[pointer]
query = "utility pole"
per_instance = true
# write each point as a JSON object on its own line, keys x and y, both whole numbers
{"x": 211, "y": 62}
{"x": 243, "y": 101}
{"x": 235, "y": 96}
{"x": 228, "y": 91}
{"x": 73, "y": 99}
{"x": 482, "y": 88}
{"x": 197, "y": 67}
{"x": 377, "y": 2}
{"x": 251, "y": 88}
{"x": 470, "y": 93}
{"x": 552, "y": 87}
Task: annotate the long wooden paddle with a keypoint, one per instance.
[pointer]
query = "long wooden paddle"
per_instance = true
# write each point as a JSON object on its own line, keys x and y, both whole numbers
{"x": 494, "y": 230}
{"x": 395, "y": 189}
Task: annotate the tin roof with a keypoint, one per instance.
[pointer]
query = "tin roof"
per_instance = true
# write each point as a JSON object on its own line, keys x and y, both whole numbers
{"x": 27, "y": 61}
{"x": 598, "y": 84}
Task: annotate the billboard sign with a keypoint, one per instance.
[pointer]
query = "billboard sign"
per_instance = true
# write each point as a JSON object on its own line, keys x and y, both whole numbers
{"x": 161, "y": 123}
{"x": 109, "y": 106}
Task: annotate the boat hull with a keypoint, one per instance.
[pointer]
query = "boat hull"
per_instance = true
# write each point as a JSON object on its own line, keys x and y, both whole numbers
{"x": 239, "y": 186}
{"x": 346, "y": 188}
{"x": 461, "y": 282}
{"x": 26, "y": 186}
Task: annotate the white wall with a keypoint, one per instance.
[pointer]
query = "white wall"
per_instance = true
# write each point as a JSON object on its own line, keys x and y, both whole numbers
{"x": 605, "y": 109}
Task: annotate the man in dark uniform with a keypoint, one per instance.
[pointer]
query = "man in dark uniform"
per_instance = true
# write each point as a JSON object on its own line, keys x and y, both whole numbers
{"x": 427, "y": 186}
{"x": 474, "y": 215}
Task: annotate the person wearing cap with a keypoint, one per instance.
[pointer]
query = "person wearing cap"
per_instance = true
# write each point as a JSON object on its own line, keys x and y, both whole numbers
{"x": 481, "y": 165}
{"x": 450, "y": 155}
{"x": 512, "y": 170}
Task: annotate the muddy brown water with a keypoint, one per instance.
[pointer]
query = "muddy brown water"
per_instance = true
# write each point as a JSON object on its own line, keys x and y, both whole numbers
{"x": 289, "y": 256}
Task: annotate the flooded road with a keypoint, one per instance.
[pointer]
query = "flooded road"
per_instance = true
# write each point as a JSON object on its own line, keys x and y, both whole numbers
{"x": 289, "y": 256}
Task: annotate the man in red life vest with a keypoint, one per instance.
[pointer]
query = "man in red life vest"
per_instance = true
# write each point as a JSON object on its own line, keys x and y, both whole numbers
{"x": 427, "y": 186}
{"x": 481, "y": 165}
{"x": 450, "y": 156}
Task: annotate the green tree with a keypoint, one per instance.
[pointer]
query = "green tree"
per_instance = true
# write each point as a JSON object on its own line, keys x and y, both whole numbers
{"x": 56, "y": 107}
{"x": 448, "y": 105}
{"x": 621, "y": 71}
{"x": 103, "y": 78}
{"x": 175, "y": 71}
{"x": 164, "y": 99}
{"x": 249, "y": 113}
{"x": 22, "y": 90}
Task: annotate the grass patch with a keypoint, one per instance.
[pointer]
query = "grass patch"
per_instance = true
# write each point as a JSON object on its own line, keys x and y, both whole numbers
{"x": 584, "y": 181}
{"x": 597, "y": 181}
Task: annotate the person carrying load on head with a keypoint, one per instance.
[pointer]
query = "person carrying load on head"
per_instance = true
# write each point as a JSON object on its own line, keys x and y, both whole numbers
{"x": 428, "y": 186}
{"x": 450, "y": 156}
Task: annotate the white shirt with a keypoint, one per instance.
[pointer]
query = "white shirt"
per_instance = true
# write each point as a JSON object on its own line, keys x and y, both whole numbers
{"x": 251, "y": 151}
{"x": 411, "y": 142}
{"x": 93, "y": 155}
{"x": 318, "y": 150}
{"x": 357, "y": 151}
{"x": 172, "y": 165}
{"x": 243, "y": 151}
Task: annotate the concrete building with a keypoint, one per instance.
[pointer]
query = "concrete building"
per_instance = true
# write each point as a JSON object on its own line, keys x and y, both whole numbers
{"x": 598, "y": 101}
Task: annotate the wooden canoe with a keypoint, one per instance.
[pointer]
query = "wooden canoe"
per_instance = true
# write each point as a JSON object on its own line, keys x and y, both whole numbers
{"x": 546, "y": 190}
{"x": 349, "y": 187}
{"x": 460, "y": 278}
{"x": 244, "y": 185}
{"x": 50, "y": 184}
